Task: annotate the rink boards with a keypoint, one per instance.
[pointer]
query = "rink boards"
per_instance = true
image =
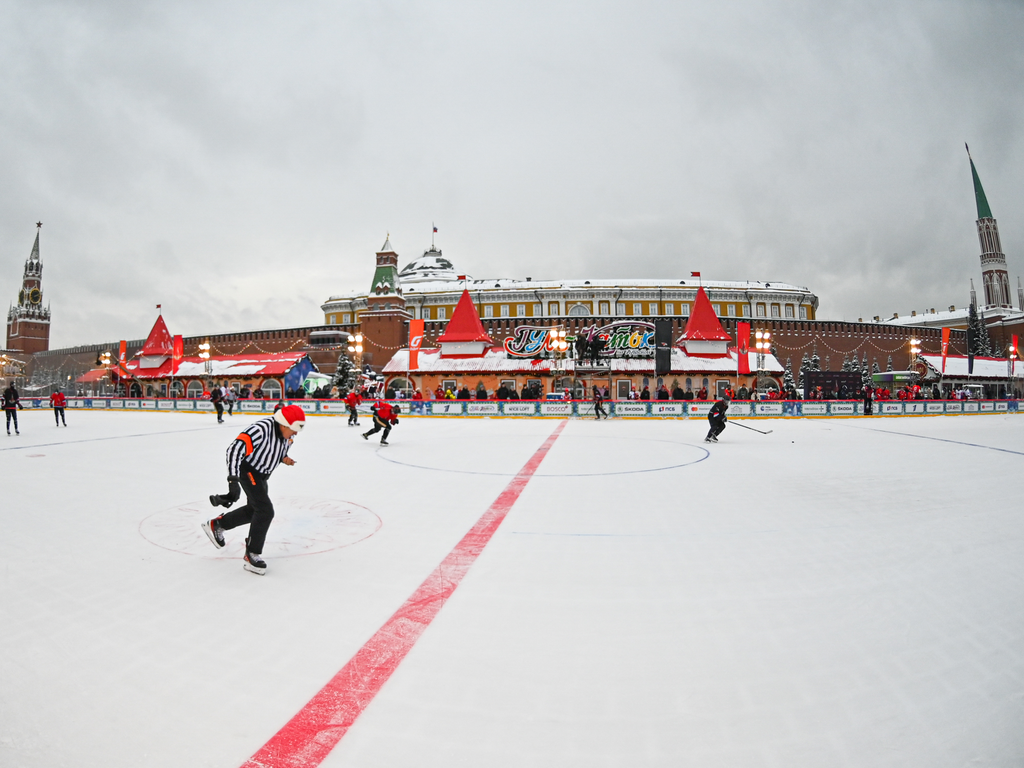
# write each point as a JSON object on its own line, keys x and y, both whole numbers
{"x": 560, "y": 409}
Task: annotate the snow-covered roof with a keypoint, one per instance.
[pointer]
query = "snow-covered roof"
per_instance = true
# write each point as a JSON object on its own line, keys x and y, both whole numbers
{"x": 984, "y": 367}
{"x": 274, "y": 364}
{"x": 465, "y": 324}
{"x": 498, "y": 361}
{"x": 956, "y": 317}
{"x": 430, "y": 267}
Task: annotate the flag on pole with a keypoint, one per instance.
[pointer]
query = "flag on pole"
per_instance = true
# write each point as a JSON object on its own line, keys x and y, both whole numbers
{"x": 435, "y": 228}
{"x": 743, "y": 347}
{"x": 695, "y": 274}
{"x": 177, "y": 353}
{"x": 415, "y": 342}
{"x": 945, "y": 347}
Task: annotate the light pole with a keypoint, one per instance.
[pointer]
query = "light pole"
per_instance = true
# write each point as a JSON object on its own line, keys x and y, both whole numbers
{"x": 105, "y": 362}
{"x": 1010, "y": 365}
{"x": 558, "y": 345}
{"x": 763, "y": 345}
{"x": 204, "y": 353}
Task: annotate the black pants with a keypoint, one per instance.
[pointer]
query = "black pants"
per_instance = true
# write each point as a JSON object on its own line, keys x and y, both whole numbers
{"x": 378, "y": 425}
{"x": 12, "y": 413}
{"x": 58, "y": 415}
{"x": 717, "y": 425}
{"x": 257, "y": 513}
{"x": 231, "y": 406}
{"x": 867, "y": 407}
{"x": 353, "y": 416}
{"x": 599, "y": 410}
{"x": 220, "y": 411}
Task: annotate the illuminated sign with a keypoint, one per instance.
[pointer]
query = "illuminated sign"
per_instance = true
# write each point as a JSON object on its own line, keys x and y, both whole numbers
{"x": 624, "y": 338}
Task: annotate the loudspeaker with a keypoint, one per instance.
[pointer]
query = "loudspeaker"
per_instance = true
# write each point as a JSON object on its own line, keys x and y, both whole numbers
{"x": 662, "y": 347}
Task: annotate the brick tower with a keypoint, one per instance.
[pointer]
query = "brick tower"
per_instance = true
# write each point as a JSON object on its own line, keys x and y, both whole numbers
{"x": 28, "y": 321}
{"x": 384, "y": 323}
{"x": 994, "y": 277}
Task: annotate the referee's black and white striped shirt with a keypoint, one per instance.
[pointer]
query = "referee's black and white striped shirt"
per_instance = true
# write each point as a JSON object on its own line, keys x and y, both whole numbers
{"x": 260, "y": 446}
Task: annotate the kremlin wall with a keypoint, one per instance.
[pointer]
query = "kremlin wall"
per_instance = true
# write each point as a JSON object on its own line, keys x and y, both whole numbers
{"x": 429, "y": 290}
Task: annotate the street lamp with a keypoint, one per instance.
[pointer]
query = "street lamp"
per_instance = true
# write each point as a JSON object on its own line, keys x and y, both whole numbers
{"x": 915, "y": 349}
{"x": 204, "y": 353}
{"x": 763, "y": 345}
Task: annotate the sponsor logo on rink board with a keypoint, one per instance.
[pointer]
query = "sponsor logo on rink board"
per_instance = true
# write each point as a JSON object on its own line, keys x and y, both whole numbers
{"x": 630, "y": 409}
{"x": 954, "y": 407}
{"x": 166, "y": 405}
{"x": 481, "y": 408}
{"x": 843, "y": 409}
{"x": 255, "y": 406}
{"x": 446, "y": 408}
{"x": 739, "y": 409}
{"x": 913, "y": 408}
{"x": 935, "y": 407}
{"x": 667, "y": 409}
{"x": 519, "y": 409}
{"x": 586, "y": 409}
{"x": 306, "y": 407}
{"x": 130, "y": 403}
{"x": 97, "y": 403}
{"x": 814, "y": 409}
{"x": 891, "y": 408}
{"x": 768, "y": 409}
{"x": 699, "y": 409}
{"x": 1002, "y": 406}
{"x": 970, "y": 407}
{"x": 204, "y": 405}
{"x": 987, "y": 407}
{"x": 556, "y": 409}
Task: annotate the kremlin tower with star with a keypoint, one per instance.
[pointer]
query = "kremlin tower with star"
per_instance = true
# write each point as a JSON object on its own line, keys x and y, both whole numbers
{"x": 28, "y": 321}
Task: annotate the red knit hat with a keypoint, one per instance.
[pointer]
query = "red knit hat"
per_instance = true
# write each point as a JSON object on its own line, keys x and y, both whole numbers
{"x": 291, "y": 416}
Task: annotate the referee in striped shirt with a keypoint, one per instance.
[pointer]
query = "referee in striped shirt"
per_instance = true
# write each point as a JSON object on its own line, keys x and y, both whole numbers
{"x": 252, "y": 457}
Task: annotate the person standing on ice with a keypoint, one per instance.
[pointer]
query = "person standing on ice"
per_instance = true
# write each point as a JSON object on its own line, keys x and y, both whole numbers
{"x": 716, "y": 417}
{"x": 352, "y": 401}
{"x": 11, "y": 404}
{"x": 217, "y": 397}
{"x": 58, "y": 402}
{"x": 252, "y": 457}
{"x": 598, "y": 404}
{"x": 384, "y": 416}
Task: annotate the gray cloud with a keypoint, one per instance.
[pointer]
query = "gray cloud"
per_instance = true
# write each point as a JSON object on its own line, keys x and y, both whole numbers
{"x": 239, "y": 162}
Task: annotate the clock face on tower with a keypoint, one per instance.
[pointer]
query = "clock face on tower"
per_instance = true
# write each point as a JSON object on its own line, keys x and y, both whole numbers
{"x": 35, "y": 296}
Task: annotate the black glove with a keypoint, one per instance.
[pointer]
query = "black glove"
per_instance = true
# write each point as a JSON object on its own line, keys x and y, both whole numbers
{"x": 234, "y": 489}
{"x": 394, "y": 419}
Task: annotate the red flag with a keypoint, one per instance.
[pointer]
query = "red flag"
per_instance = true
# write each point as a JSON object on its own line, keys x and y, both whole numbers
{"x": 415, "y": 342}
{"x": 945, "y": 347}
{"x": 743, "y": 347}
{"x": 122, "y": 352}
{"x": 178, "y": 352}
{"x": 695, "y": 274}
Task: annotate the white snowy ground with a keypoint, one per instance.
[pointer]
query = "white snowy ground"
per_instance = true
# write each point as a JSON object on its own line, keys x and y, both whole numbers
{"x": 837, "y": 593}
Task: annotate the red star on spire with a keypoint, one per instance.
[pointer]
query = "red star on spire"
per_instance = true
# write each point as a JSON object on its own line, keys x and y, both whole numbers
{"x": 39, "y": 225}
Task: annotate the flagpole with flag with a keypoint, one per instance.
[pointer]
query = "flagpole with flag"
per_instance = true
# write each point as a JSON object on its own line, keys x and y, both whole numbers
{"x": 697, "y": 275}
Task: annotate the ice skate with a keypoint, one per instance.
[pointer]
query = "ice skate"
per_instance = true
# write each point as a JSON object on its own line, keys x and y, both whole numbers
{"x": 384, "y": 442}
{"x": 254, "y": 563}
{"x": 214, "y": 532}
{"x": 365, "y": 436}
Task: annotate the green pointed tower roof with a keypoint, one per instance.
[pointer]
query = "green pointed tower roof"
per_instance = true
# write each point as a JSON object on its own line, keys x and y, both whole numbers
{"x": 984, "y": 212}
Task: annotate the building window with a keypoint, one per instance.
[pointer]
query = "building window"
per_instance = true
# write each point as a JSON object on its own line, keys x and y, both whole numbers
{"x": 488, "y": 310}
{"x": 426, "y": 313}
{"x": 746, "y": 310}
{"x": 520, "y": 310}
{"x": 776, "y": 312}
{"x": 760, "y": 310}
{"x": 803, "y": 313}
{"x": 602, "y": 308}
{"x": 504, "y": 310}
{"x": 638, "y": 308}
{"x": 537, "y": 310}
{"x": 731, "y": 310}
{"x": 652, "y": 309}
{"x": 670, "y": 309}
{"x": 789, "y": 311}
{"x": 346, "y": 318}
{"x": 579, "y": 310}
{"x": 620, "y": 308}
{"x": 553, "y": 308}
{"x": 685, "y": 310}
{"x": 716, "y": 309}
{"x": 442, "y": 313}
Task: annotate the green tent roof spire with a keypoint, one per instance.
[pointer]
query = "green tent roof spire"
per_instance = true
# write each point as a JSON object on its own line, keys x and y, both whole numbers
{"x": 984, "y": 212}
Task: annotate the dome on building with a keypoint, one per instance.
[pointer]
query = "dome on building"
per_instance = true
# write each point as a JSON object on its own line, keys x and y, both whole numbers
{"x": 430, "y": 267}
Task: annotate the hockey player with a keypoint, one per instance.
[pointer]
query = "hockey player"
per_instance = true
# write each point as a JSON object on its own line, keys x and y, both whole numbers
{"x": 384, "y": 416}
{"x": 252, "y": 457}
{"x": 716, "y": 417}
{"x": 58, "y": 402}
{"x": 352, "y": 400}
{"x": 598, "y": 407}
{"x": 11, "y": 404}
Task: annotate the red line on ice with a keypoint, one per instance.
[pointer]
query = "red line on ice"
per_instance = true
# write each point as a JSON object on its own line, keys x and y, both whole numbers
{"x": 317, "y": 728}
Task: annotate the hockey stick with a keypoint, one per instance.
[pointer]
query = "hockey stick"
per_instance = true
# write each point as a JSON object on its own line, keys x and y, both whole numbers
{"x": 751, "y": 428}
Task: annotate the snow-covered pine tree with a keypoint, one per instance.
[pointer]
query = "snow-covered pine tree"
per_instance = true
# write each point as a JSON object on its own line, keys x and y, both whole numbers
{"x": 787, "y": 379}
{"x": 846, "y": 364}
{"x": 805, "y": 365}
{"x": 815, "y": 361}
{"x": 345, "y": 375}
{"x": 977, "y": 333}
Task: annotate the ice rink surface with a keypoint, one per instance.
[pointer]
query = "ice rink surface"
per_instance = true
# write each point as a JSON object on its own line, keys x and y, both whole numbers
{"x": 841, "y": 592}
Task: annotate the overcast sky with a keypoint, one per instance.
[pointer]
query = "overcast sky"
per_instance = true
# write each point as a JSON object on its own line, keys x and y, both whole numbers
{"x": 239, "y": 162}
